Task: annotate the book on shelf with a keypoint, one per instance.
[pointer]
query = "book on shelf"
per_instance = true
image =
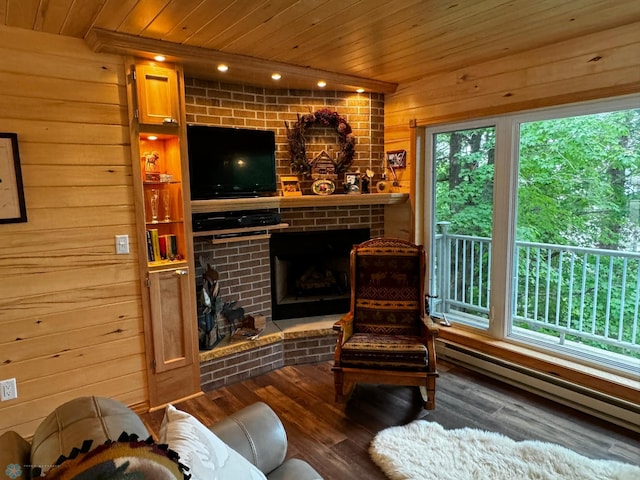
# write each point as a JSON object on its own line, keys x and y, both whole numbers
{"x": 243, "y": 334}
{"x": 170, "y": 245}
{"x": 150, "y": 255}
{"x": 161, "y": 247}
{"x": 174, "y": 245}
{"x": 162, "y": 240}
{"x": 155, "y": 243}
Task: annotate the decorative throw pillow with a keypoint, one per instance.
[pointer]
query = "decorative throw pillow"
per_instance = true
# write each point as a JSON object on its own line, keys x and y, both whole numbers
{"x": 119, "y": 460}
{"x": 208, "y": 457}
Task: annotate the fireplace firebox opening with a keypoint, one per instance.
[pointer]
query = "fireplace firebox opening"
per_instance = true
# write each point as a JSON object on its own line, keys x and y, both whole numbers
{"x": 310, "y": 271}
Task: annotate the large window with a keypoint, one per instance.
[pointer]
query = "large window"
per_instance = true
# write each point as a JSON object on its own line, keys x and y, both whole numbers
{"x": 464, "y": 166}
{"x": 534, "y": 226}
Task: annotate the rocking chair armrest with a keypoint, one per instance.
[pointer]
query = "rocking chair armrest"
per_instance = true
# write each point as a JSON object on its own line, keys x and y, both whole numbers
{"x": 345, "y": 327}
{"x": 429, "y": 327}
{"x": 346, "y": 318}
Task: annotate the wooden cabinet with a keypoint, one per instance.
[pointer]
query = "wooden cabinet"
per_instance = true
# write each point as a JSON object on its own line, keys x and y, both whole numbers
{"x": 163, "y": 213}
{"x": 158, "y": 102}
{"x": 172, "y": 330}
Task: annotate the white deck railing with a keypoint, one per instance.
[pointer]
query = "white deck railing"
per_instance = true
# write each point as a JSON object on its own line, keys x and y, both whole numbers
{"x": 589, "y": 296}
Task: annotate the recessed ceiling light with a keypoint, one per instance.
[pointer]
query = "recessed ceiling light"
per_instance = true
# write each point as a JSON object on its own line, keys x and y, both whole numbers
{"x": 360, "y": 90}
{"x": 322, "y": 84}
{"x": 159, "y": 58}
{"x": 276, "y": 76}
{"x": 223, "y": 68}
{"x": 152, "y": 137}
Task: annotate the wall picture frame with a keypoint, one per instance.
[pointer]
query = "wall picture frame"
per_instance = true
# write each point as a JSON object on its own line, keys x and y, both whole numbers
{"x": 290, "y": 186}
{"x": 397, "y": 159}
{"x": 12, "y": 204}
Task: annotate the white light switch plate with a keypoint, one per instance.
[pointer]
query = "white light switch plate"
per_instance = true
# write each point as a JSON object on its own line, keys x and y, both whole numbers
{"x": 8, "y": 389}
{"x": 122, "y": 244}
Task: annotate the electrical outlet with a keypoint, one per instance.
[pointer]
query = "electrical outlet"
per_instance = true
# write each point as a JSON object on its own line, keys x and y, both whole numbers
{"x": 122, "y": 244}
{"x": 8, "y": 389}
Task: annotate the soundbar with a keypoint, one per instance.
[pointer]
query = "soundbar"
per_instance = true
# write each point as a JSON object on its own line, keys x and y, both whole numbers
{"x": 203, "y": 222}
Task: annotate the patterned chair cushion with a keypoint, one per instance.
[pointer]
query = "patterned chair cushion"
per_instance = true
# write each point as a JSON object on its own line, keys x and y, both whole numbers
{"x": 370, "y": 350}
{"x": 387, "y": 290}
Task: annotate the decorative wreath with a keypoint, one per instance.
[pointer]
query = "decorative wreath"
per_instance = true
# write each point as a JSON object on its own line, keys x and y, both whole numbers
{"x": 325, "y": 118}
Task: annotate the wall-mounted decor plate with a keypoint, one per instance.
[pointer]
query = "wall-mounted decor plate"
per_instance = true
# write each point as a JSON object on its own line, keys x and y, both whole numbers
{"x": 323, "y": 187}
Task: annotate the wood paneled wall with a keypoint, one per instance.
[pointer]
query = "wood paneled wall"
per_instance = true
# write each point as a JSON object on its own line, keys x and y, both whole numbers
{"x": 595, "y": 66}
{"x": 70, "y": 308}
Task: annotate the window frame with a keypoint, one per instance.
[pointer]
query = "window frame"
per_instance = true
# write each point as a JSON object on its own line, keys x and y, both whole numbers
{"x": 506, "y": 171}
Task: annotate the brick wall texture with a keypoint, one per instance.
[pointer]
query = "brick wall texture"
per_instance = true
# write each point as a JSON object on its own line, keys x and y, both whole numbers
{"x": 243, "y": 266}
{"x": 229, "y": 105}
{"x": 245, "y": 273}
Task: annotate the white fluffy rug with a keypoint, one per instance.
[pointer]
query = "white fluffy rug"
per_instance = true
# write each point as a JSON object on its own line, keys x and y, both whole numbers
{"x": 424, "y": 450}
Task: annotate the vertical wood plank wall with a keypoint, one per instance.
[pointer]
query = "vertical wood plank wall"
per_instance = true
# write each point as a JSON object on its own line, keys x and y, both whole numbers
{"x": 70, "y": 308}
{"x": 594, "y": 66}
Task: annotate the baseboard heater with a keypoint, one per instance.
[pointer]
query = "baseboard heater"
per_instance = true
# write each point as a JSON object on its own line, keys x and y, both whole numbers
{"x": 614, "y": 410}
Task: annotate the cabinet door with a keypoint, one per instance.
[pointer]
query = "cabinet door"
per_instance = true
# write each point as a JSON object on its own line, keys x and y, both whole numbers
{"x": 157, "y": 89}
{"x": 171, "y": 319}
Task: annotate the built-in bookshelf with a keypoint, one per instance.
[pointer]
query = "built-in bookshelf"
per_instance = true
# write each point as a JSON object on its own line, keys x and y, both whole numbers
{"x": 161, "y": 174}
{"x": 161, "y": 180}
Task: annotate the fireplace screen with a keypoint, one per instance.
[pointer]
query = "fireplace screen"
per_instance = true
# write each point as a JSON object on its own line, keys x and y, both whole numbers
{"x": 310, "y": 272}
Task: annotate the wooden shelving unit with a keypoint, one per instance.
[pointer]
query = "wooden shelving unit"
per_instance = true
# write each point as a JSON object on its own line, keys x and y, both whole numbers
{"x": 161, "y": 185}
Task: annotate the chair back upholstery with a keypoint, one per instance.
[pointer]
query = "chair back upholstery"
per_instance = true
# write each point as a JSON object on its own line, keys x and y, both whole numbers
{"x": 387, "y": 278}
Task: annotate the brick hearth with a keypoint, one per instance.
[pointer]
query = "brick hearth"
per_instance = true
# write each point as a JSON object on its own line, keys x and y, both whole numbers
{"x": 285, "y": 342}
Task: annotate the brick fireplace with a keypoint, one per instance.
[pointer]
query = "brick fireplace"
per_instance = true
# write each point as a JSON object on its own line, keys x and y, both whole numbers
{"x": 245, "y": 277}
{"x": 244, "y": 264}
{"x": 310, "y": 271}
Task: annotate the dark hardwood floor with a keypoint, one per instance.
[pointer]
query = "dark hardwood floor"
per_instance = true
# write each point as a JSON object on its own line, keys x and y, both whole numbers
{"x": 335, "y": 438}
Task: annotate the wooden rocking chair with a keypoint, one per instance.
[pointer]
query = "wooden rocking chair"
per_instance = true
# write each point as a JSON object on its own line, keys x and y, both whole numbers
{"x": 386, "y": 338}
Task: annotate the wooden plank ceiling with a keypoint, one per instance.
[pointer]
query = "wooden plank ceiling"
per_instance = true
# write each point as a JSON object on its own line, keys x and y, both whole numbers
{"x": 386, "y": 42}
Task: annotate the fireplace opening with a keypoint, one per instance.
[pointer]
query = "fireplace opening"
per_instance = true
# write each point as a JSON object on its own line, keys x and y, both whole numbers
{"x": 310, "y": 272}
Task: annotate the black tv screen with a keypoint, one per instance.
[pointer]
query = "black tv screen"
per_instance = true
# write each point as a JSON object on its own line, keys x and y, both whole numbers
{"x": 230, "y": 162}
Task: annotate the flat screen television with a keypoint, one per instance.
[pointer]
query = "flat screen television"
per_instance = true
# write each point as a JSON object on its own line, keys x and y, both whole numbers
{"x": 231, "y": 162}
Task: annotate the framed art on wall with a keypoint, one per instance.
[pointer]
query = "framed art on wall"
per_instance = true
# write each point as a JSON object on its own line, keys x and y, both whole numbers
{"x": 12, "y": 204}
{"x": 397, "y": 159}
